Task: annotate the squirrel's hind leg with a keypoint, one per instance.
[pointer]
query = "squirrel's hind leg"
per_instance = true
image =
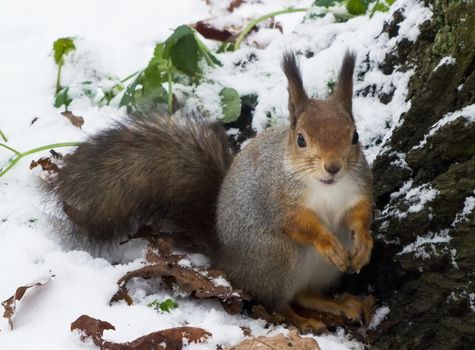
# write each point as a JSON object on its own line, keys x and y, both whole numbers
{"x": 304, "y": 324}
{"x": 351, "y": 307}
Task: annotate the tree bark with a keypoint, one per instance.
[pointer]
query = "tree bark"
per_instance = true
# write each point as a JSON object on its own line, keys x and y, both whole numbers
{"x": 428, "y": 285}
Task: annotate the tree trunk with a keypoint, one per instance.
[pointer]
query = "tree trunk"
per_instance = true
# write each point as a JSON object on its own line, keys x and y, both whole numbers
{"x": 423, "y": 265}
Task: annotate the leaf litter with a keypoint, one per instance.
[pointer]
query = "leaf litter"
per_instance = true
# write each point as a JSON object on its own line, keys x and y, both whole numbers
{"x": 169, "y": 339}
{"x": 278, "y": 342}
{"x": 198, "y": 282}
{"x": 10, "y": 304}
{"x": 203, "y": 283}
{"x": 76, "y": 120}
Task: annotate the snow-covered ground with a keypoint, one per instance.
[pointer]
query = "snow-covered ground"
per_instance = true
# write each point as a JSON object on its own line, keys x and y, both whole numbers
{"x": 117, "y": 38}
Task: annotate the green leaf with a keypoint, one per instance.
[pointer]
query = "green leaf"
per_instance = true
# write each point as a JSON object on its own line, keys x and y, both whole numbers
{"x": 380, "y": 7}
{"x": 390, "y": 2}
{"x": 226, "y": 47}
{"x": 113, "y": 92}
{"x": 342, "y": 17}
{"x": 153, "y": 77}
{"x": 183, "y": 49}
{"x": 128, "y": 99}
{"x": 230, "y": 104}
{"x": 356, "y": 7}
{"x": 211, "y": 59}
{"x": 164, "y": 306}
{"x": 179, "y": 33}
{"x": 61, "y": 47}
{"x": 62, "y": 98}
{"x": 325, "y": 3}
{"x": 168, "y": 305}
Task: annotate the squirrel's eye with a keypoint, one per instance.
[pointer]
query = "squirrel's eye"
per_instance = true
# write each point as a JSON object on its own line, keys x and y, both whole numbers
{"x": 356, "y": 137}
{"x": 301, "y": 140}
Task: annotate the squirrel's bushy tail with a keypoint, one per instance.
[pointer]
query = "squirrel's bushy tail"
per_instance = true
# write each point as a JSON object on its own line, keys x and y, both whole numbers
{"x": 156, "y": 169}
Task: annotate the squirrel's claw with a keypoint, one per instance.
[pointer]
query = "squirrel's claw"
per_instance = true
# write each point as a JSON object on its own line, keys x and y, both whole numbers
{"x": 334, "y": 252}
{"x": 360, "y": 253}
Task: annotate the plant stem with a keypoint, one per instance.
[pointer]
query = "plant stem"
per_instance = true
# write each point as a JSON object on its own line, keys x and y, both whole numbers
{"x": 10, "y": 149}
{"x": 251, "y": 25}
{"x": 2, "y": 135}
{"x": 373, "y": 10}
{"x": 19, "y": 155}
{"x": 58, "y": 77}
{"x": 128, "y": 77}
{"x": 54, "y": 145}
{"x": 170, "y": 93}
{"x": 116, "y": 85}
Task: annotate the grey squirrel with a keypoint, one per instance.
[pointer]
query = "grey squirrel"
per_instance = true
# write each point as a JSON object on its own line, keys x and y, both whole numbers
{"x": 285, "y": 217}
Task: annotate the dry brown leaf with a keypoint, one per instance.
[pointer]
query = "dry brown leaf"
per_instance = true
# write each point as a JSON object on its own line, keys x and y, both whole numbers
{"x": 246, "y": 331}
{"x": 10, "y": 304}
{"x": 167, "y": 339}
{"x": 209, "y": 31}
{"x": 46, "y": 165}
{"x": 279, "y": 342}
{"x": 235, "y": 4}
{"x": 200, "y": 283}
{"x": 74, "y": 119}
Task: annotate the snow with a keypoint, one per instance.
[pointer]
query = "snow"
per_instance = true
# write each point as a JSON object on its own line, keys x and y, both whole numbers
{"x": 448, "y": 60}
{"x": 419, "y": 196}
{"x": 416, "y": 198}
{"x": 468, "y": 207}
{"x": 467, "y": 113}
{"x": 221, "y": 281}
{"x": 379, "y": 315}
{"x": 115, "y": 39}
{"x": 423, "y": 243}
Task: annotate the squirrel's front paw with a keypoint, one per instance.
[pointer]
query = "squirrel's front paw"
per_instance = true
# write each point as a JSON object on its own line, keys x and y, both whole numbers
{"x": 360, "y": 253}
{"x": 332, "y": 250}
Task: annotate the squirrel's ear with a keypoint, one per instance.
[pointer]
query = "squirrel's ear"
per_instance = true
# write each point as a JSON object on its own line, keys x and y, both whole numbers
{"x": 344, "y": 88}
{"x": 297, "y": 96}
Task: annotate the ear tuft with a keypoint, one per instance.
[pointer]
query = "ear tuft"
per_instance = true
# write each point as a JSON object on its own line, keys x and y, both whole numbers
{"x": 297, "y": 95}
{"x": 344, "y": 88}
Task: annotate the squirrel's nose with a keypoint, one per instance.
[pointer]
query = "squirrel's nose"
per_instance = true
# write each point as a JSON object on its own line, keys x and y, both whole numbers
{"x": 333, "y": 167}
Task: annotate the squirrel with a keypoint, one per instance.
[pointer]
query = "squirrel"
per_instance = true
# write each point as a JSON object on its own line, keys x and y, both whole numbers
{"x": 284, "y": 218}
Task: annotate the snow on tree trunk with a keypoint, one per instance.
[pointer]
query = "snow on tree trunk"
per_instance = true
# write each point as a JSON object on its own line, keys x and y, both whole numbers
{"x": 423, "y": 265}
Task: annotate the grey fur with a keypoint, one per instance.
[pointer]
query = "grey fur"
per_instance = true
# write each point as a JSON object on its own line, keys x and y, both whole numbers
{"x": 255, "y": 196}
{"x": 179, "y": 170}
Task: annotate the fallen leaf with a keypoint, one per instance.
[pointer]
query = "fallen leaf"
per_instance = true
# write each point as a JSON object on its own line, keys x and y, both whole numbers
{"x": 246, "y": 331}
{"x": 46, "y": 165}
{"x": 209, "y": 31}
{"x": 10, "y": 304}
{"x": 167, "y": 339}
{"x": 278, "y": 342}
{"x": 200, "y": 283}
{"x": 74, "y": 119}
{"x": 235, "y": 4}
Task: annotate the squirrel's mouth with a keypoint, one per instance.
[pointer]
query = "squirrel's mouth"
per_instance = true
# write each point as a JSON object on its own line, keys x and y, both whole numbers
{"x": 328, "y": 182}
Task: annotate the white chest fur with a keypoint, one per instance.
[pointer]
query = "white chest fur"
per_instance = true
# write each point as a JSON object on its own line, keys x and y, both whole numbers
{"x": 331, "y": 202}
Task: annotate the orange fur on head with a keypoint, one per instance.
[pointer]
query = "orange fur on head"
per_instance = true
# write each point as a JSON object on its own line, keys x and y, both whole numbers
{"x": 327, "y": 126}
